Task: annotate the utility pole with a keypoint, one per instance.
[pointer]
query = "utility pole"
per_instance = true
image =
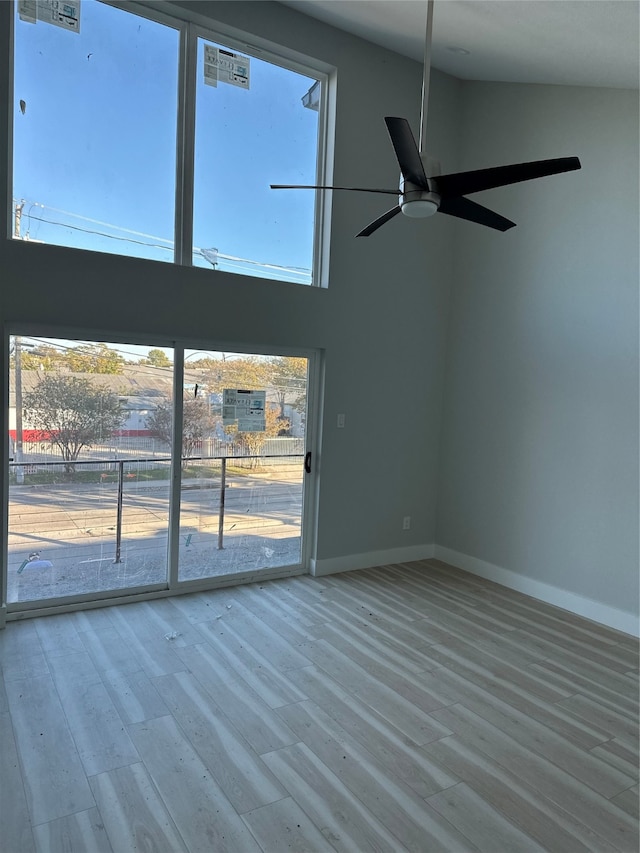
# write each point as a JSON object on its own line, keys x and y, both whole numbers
{"x": 17, "y": 218}
{"x": 18, "y": 387}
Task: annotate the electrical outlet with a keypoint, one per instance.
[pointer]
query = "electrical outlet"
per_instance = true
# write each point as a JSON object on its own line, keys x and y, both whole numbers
{"x": 406, "y": 522}
{"x": 341, "y": 420}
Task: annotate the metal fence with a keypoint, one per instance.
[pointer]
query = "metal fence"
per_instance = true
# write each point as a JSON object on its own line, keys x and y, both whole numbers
{"x": 122, "y": 469}
{"x": 145, "y": 451}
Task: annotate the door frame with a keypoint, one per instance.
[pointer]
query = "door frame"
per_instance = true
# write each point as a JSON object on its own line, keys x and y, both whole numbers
{"x": 10, "y": 611}
{"x": 310, "y": 487}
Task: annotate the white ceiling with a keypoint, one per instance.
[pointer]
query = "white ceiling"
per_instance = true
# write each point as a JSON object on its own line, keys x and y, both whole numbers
{"x": 570, "y": 42}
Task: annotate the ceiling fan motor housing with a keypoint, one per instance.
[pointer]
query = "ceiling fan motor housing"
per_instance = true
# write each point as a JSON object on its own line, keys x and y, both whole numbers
{"x": 416, "y": 201}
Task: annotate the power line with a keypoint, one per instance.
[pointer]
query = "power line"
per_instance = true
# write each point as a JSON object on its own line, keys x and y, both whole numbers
{"x": 169, "y": 244}
{"x": 142, "y": 368}
{"x": 100, "y": 233}
{"x": 100, "y": 222}
{"x": 145, "y": 369}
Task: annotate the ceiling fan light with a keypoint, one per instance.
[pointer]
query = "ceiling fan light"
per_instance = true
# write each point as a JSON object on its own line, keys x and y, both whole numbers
{"x": 419, "y": 208}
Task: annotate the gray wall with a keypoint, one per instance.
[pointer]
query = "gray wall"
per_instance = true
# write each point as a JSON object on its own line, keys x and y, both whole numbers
{"x": 538, "y": 445}
{"x": 379, "y": 323}
{"x": 539, "y": 467}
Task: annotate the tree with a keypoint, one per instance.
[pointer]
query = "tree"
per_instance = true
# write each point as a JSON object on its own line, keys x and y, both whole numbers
{"x": 158, "y": 358}
{"x": 87, "y": 358}
{"x": 71, "y": 413}
{"x": 94, "y": 358}
{"x": 250, "y": 373}
{"x": 197, "y": 423}
{"x": 289, "y": 382}
{"x": 42, "y": 357}
{"x": 251, "y": 443}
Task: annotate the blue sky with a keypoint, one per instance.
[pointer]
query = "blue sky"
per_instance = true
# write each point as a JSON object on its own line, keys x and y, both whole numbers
{"x": 96, "y": 145}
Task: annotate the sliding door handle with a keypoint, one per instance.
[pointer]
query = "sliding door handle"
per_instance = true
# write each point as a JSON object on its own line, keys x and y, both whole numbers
{"x": 307, "y": 462}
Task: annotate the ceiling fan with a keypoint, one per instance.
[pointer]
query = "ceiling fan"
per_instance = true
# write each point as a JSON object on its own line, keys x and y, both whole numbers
{"x": 424, "y": 190}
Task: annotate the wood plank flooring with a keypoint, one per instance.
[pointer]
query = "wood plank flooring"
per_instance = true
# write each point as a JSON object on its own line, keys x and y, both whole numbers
{"x": 408, "y": 707}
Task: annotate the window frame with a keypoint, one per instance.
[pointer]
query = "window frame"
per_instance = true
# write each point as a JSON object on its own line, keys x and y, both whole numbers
{"x": 191, "y": 27}
{"x": 171, "y": 585}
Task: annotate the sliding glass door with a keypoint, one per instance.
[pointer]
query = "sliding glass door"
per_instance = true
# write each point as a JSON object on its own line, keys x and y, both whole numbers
{"x": 108, "y": 496}
{"x": 243, "y": 438}
{"x": 88, "y": 480}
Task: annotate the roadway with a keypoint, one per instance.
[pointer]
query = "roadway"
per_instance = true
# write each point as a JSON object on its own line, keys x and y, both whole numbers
{"x": 74, "y": 527}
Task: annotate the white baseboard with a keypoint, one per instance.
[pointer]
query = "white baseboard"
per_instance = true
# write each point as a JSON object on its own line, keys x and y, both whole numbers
{"x": 621, "y": 620}
{"x": 370, "y": 559}
{"x": 612, "y": 617}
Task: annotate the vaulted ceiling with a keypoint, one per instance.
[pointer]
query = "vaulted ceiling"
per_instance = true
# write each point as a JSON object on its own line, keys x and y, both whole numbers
{"x": 568, "y": 42}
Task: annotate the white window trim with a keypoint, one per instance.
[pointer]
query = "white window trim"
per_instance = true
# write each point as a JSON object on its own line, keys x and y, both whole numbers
{"x": 190, "y": 27}
{"x": 172, "y": 586}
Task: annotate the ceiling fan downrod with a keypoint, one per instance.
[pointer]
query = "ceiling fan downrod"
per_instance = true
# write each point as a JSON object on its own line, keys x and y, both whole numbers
{"x": 426, "y": 75}
{"x": 415, "y": 201}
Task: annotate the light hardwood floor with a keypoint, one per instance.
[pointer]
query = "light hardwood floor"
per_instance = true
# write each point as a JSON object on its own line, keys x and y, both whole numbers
{"x": 409, "y": 707}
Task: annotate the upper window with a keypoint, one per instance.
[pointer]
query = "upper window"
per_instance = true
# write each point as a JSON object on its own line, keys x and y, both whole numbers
{"x": 94, "y": 145}
{"x": 250, "y": 133}
{"x": 118, "y": 148}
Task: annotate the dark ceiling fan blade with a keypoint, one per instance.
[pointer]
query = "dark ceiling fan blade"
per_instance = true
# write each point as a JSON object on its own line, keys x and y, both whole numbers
{"x": 351, "y": 189}
{"x": 373, "y": 226}
{"x": 465, "y": 183}
{"x": 464, "y": 208}
{"x": 406, "y": 150}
